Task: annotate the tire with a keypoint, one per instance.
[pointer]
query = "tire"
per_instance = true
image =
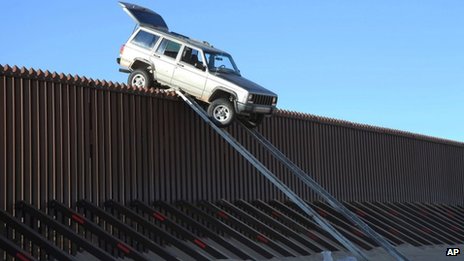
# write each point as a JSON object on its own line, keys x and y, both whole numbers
{"x": 140, "y": 79}
{"x": 252, "y": 121}
{"x": 222, "y": 112}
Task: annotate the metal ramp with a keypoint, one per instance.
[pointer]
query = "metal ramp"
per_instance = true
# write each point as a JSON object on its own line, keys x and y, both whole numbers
{"x": 306, "y": 179}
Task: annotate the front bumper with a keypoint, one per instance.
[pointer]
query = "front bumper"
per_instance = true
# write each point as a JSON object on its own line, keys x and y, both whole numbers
{"x": 248, "y": 108}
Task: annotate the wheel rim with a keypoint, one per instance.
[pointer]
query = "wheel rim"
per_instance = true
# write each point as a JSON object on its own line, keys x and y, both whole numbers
{"x": 138, "y": 81}
{"x": 221, "y": 113}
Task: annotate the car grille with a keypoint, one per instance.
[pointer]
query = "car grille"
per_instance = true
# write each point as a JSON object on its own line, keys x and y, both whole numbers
{"x": 262, "y": 99}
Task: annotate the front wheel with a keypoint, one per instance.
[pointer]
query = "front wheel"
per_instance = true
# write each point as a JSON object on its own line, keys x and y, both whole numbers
{"x": 140, "y": 79}
{"x": 222, "y": 112}
{"x": 252, "y": 121}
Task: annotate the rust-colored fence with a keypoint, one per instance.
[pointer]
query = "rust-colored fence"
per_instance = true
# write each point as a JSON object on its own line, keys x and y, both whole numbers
{"x": 71, "y": 138}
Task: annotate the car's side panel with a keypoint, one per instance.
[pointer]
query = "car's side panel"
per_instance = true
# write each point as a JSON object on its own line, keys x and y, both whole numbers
{"x": 190, "y": 79}
{"x": 165, "y": 64}
{"x": 164, "y": 68}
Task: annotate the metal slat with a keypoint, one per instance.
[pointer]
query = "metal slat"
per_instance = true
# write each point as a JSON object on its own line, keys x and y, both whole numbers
{"x": 19, "y": 139}
{"x": 100, "y": 135}
{"x": 139, "y": 149}
{"x": 3, "y": 148}
{"x": 148, "y": 130}
{"x": 10, "y": 144}
{"x": 27, "y": 140}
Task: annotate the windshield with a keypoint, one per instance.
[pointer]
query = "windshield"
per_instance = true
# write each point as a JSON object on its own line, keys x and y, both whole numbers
{"x": 221, "y": 62}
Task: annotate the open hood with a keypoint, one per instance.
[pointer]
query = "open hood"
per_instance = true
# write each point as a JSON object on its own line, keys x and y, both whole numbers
{"x": 144, "y": 16}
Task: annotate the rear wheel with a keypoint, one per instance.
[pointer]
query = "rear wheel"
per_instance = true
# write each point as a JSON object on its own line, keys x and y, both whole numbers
{"x": 252, "y": 121}
{"x": 140, "y": 78}
{"x": 222, "y": 112}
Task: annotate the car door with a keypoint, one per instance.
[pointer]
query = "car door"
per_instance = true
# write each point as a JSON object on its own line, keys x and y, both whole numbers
{"x": 164, "y": 60}
{"x": 190, "y": 73}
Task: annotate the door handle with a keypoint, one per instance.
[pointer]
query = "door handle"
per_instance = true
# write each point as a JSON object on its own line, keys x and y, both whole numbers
{"x": 180, "y": 65}
{"x": 157, "y": 56}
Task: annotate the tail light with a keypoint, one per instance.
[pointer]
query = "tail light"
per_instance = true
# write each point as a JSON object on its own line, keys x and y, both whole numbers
{"x": 121, "y": 50}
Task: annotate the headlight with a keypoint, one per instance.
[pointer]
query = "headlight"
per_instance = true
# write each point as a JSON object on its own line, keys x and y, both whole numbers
{"x": 250, "y": 98}
{"x": 274, "y": 101}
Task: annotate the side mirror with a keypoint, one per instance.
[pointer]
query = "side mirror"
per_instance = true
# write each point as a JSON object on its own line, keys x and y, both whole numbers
{"x": 200, "y": 66}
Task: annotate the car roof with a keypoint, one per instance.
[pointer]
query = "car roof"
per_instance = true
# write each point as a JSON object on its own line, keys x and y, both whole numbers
{"x": 205, "y": 46}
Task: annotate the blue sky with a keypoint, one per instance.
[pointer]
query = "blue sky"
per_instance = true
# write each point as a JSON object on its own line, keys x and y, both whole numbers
{"x": 395, "y": 64}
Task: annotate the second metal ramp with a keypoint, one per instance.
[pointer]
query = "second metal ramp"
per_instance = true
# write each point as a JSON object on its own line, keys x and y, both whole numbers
{"x": 311, "y": 183}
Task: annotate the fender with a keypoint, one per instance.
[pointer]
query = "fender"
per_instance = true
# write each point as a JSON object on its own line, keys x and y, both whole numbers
{"x": 150, "y": 64}
{"x": 220, "y": 88}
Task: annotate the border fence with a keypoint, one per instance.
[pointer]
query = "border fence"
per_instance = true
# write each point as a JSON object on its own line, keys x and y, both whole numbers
{"x": 69, "y": 138}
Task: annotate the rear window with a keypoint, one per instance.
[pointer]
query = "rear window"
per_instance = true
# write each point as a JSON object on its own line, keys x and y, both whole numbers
{"x": 145, "y": 39}
{"x": 168, "y": 48}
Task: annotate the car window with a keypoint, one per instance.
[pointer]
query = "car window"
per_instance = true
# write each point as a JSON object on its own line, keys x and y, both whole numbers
{"x": 169, "y": 48}
{"x": 193, "y": 57}
{"x": 220, "y": 62}
{"x": 145, "y": 39}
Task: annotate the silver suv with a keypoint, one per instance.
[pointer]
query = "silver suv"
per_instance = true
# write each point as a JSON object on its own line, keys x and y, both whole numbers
{"x": 155, "y": 56}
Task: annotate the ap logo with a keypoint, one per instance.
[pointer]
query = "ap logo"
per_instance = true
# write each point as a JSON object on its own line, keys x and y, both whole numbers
{"x": 453, "y": 252}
